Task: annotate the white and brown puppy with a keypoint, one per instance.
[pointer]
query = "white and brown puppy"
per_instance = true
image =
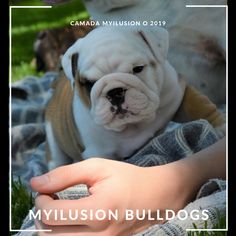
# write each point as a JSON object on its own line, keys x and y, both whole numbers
{"x": 197, "y": 35}
{"x": 120, "y": 91}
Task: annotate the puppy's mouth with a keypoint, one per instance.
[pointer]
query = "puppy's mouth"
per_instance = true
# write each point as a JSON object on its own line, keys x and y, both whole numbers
{"x": 121, "y": 113}
{"x": 118, "y": 110}
{"x": 120, "y": 99}
{"x": 117, "y": 98}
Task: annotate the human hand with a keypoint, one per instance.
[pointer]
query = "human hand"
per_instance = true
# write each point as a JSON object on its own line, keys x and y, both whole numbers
{"x": 114, "y": 186}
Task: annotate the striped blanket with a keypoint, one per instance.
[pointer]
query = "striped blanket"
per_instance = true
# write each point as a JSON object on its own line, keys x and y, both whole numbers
{"x": 29, "y": 98}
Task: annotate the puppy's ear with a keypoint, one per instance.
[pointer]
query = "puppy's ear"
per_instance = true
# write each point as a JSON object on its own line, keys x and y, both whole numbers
{"x": 70, "y": 62}
{"x": 157, "y": 39}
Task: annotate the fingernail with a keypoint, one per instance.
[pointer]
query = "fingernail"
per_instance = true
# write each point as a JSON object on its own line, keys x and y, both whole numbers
{"x": 41, "y": 180}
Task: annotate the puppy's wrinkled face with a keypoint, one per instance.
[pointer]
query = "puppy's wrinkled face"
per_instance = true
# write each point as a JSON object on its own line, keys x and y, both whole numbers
{"x": 118, "y": 75}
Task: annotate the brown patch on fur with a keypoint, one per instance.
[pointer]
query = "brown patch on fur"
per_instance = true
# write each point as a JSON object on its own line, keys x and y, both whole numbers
{"x": 82, "y": 91}
{"x": 210, "y": 49}
{"x": 59, "y": 113}
{"x": 197, "y": 106}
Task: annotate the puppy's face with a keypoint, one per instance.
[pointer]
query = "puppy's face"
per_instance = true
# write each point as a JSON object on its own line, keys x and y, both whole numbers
{"x": 118, "y": 74}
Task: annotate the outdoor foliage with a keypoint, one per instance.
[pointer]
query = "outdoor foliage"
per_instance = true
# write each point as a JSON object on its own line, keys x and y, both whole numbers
{"x": 220, "y": 225}
{"x": 22, "y": 202}
{"x": 26, "y": 23}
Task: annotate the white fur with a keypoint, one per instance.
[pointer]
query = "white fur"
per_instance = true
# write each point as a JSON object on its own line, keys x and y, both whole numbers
{"x": 117, "y": 145}
{"x": 58, "y": 157}
{"x": 140, "y": 101}
{"x": 152, "y": 96}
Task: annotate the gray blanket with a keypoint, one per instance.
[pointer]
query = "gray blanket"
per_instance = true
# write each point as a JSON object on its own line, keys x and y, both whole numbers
{"x": 29, "y": 98}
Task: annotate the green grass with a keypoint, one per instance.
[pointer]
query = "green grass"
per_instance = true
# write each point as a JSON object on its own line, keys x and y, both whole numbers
{"x": 22, "y": 202}
{"x": 221, "y": 224}
{"x": 26, "y": 3}
{"x": 26, "y": 23}
{"x": 24, "y": 69}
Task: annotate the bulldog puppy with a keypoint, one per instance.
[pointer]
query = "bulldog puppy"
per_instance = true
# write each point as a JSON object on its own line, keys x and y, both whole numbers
{"x": 119, "y": 92}
{"x": 197, "y": 35}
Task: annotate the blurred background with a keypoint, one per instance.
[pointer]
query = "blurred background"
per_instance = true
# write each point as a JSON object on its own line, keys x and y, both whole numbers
{"x": 27, "y": 23}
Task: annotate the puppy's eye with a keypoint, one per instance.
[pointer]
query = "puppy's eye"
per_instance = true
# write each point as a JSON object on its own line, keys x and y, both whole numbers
{"x": 138, "y": 69}
{"x": 89, "y": 84}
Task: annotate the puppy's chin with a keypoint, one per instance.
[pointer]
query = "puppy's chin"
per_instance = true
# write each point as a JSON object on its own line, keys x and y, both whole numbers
{"x": 139, "y": 106}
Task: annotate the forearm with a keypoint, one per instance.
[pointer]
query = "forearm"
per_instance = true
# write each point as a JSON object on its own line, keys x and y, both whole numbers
{"x": 209, "y": 162}
{"x": 186, "y": 176}
{"x": 206, "y": 164}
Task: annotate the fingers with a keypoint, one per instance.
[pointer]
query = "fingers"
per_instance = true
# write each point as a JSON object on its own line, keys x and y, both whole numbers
{"x": 85, "y": 172}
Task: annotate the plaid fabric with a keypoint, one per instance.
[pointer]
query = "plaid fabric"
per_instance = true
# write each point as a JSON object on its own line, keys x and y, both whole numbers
{"x": 29, "y": 97}
{"x": 178, "y": 141}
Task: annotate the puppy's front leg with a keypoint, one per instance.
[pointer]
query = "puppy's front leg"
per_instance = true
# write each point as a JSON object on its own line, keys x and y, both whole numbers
{"x": 55, "y": 156}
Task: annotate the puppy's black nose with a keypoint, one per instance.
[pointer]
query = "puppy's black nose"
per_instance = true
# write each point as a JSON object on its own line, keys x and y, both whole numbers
{"x": 116, "y": 96}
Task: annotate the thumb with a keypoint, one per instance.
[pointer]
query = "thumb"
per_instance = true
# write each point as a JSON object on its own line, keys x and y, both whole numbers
{"x": 85, "y": 172}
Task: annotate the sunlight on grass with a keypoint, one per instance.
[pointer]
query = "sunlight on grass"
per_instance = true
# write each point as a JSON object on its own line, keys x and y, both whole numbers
{"x": 23, "y": 70}
{"x": 27, "y": 3}
{"x": 27, "y": 23}
{"x": 221, "y": 224}
{"x": 45, "y": 25}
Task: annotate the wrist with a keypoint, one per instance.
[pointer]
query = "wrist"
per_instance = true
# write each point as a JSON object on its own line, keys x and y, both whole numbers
{"x": 191, "y": 174}
{"x": 178, "y": 183}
